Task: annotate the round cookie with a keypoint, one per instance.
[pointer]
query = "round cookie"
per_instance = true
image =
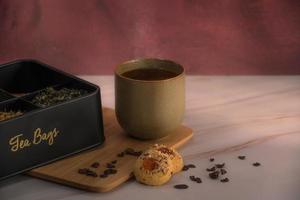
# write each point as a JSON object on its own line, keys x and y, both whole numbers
{"x": 153, "y": 169}
{"x": 174, "y": 156}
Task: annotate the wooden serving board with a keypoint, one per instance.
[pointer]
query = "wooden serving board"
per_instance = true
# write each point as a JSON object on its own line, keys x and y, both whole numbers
{"x": 66, "y": 171}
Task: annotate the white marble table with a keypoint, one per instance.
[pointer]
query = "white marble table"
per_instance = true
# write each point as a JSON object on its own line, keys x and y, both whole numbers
{"x": 257, "y": 116}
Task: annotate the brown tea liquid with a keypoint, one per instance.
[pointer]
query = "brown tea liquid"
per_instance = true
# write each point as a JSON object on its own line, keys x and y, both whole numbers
{"x": 149, "y": 74}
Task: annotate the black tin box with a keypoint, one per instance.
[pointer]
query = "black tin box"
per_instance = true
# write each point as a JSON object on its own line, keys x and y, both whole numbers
{"x": 44, "y": 134}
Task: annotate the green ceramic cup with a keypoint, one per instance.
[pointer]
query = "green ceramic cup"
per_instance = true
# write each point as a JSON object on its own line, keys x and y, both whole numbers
{"x": 149, "y": 109}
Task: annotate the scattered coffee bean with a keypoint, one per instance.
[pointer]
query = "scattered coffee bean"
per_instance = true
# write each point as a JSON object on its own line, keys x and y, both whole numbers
{"x": 109, "y": 165}
{"x": 181, "y": 186}
{"x": 191, "y": 166}
{"x": 211, "y": 159}
{"x": 187, "y": 167}
{"x": 82, "y": 171}
{"x": 103, "y": 175}
{"x": 256, "y": 164}
{"x": 110, "y": 171}
{"x": 129, "y": 151}
{"x": 114, "y": 162}
{"x": 192, "y": 178}
{"x": 224, "y": 180}
{"x": 220, "y": 165}
{"x": 106, "y": 172}
{"x": 211, "y": 169}
{"x": 95, "y": 165}
{"x": 132, "y": 152}
{"x": 242, "y": 157}
{"x": 87, "y": 172}
{"x": 91, "y": 173}
{"x": 113, "y": 171}
{"x": 214, "y": 175}
{"x": 196, "y": 179}
{"x": 223, "y": 171}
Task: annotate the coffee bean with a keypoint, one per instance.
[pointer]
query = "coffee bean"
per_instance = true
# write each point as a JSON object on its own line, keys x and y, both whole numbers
{"x": 113, "y": 171}
{"x": 191, "y": 166}
{"x": 91, "y": 173}
{"x": 242, "y": 157}
{"x": 224, "y": 180}
{"x": 110, "y": 171}
{"x": 193, "y": 178}
{"x": 95, "y": 165}
{"x": 87, "y": 172}
{"x": 129, "y": 151}
{"x": 103, "y": 176}
{"x": 109, "y": 165}
{"x": 114, "y": 162}
{"x": 106, "y": 172}
{"x": 181, "y": 186}
{"x": 211, "y": 169}
{"x": 82, "y": 171}
{"x": 198, "y": 180}
{"x": 132, "y": 152}
{"x": 211, "y": 159}
{"x": 220, "y": 165}
{"x": 223, "y": 171}
{"x": 256, "y": 164}
{"x": 214, "y": 175}
{"x": 185, "y": 168}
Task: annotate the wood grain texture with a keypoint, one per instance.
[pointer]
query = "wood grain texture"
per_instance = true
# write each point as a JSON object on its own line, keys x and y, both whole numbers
{"x": 256, "y": 116}
{"x": 66, "y": 171}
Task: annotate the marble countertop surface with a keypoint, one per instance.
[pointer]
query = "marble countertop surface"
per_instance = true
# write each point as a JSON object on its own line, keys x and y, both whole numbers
{"x": 255, "y": 116}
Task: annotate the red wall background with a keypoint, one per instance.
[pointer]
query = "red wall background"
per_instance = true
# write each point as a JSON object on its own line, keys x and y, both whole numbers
{"x": 207, "y": 37}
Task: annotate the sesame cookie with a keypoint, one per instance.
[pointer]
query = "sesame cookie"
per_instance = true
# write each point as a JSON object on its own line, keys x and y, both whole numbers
{"x": 174, "y": 156}
{"x": 153, "y": 169}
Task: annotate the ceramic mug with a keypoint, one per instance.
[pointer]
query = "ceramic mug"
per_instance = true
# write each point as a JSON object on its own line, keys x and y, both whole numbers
{"x": 149, "y": 109}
